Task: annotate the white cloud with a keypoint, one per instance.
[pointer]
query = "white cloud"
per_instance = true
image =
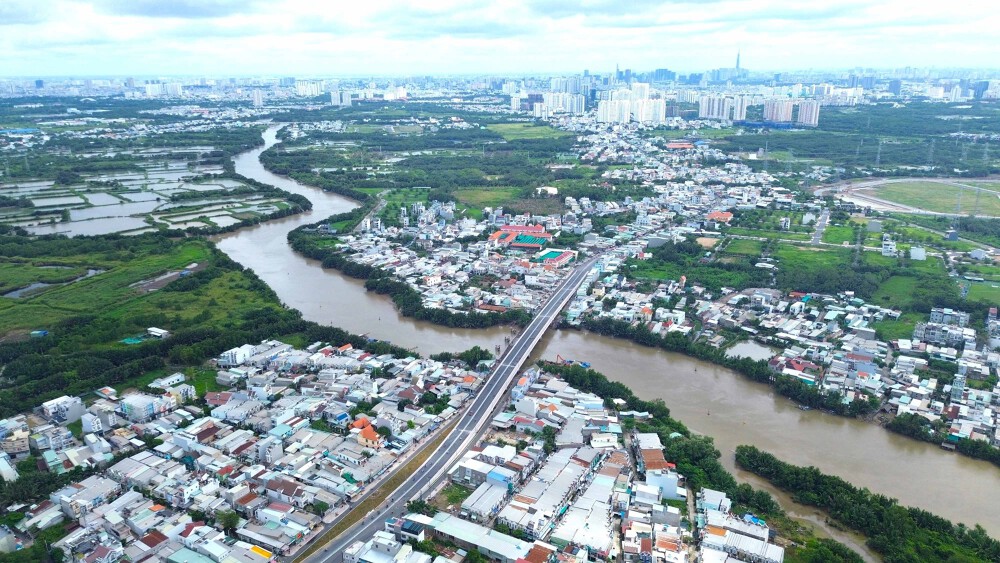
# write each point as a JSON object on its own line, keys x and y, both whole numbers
{"x": 230, "y": 37}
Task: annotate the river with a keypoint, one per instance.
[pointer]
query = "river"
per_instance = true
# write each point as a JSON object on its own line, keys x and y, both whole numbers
{"x": 325, "y": 296}
{"x": 708, "y": 399}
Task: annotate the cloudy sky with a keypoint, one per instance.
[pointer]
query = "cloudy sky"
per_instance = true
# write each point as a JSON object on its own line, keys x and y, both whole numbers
{"x": 380, "y": 37}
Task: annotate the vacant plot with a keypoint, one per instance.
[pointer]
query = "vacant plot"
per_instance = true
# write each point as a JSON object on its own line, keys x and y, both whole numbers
{"x": 896, "y": 292}
{"x": 895, "y": 329}
{"x": 787, "y": 235}
{"x": 744, "y": 247}
{"x": 941, "y": 197}
{"x": 486, "y": 197}
{"x": 989, "y": 292}
{"x": 837, "y": 234}
{"x": 809, "y": 257}
{"x": 514, "y": 131}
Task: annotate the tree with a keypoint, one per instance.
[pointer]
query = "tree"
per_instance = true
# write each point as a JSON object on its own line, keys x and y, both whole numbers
{"x": 228, "y": 519}
{"x": 319, "y": 507}
{"x": 549, "y": 437}
{"x": 384, "y": 431}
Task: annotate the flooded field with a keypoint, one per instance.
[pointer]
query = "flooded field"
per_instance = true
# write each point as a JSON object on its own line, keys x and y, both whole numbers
{"x": 155, "y": 197}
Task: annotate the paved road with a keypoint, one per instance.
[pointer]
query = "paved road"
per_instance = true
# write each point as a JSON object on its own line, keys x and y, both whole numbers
{"x": 471, "y": 424}
{"x": 821, "y": 223}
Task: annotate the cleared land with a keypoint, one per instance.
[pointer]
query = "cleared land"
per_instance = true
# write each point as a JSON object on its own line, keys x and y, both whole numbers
{"x": 744, "y": 247}
{"x": 514, "y": 131}
{"x": 940, "y": 197}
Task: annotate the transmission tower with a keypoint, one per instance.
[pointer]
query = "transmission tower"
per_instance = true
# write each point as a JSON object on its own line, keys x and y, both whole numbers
{"x": 930, "y": 153}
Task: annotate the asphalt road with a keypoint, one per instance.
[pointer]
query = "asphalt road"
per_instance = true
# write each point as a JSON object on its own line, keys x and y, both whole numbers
{"x": 470, "y": 427}
{"x": 821, "y": 223}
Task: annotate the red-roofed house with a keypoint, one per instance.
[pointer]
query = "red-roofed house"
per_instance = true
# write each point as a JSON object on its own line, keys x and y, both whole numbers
{"x": 720, "y": 216}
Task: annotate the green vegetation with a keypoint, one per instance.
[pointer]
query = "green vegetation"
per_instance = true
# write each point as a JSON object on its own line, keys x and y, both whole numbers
{"x": 940, "y": 197}
{"x": 898, "y": 533}
{"x": 515, "y": 131}
{"x": 456, "y": 494}
{"x": 671, "y": 261}
{"x": 744, "y": 247}
{"x": 903, "y": 140}
{"x": 216, "y": 308}
{"x": 902, "y": 327}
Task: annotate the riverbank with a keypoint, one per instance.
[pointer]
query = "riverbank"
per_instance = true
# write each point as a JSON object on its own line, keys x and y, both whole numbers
{"x": 308, "y": 241}
{"x": 757, "y": 370}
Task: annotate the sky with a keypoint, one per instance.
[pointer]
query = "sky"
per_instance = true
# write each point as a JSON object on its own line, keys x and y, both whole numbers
{"x": 403, "y": 37}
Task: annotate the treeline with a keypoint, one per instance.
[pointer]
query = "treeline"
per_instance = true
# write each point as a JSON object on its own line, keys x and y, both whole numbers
{"x": 757, "y": 370}
{"x": 408, "y": 301}
{"x": 982, "y": 229}
{"x": 899, "y": 534}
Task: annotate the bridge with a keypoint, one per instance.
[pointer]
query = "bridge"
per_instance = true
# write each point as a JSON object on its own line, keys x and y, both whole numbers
{"x": 470, "y": 425}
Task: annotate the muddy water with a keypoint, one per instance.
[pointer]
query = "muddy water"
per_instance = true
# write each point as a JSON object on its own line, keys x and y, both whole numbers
{"x": 723, "y": 404}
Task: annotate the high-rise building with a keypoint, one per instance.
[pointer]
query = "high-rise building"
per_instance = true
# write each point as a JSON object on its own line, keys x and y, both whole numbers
{"x": 39, "y": 84}
{"x": 515, "y": 103}
{"x": 340, "y": 98}
{"x": 258, "y": 98}
{"x": 640, "y": 90}
{"x": 308, "y": 88}
{"x": 614, "y": 111}
{"x": 664, "y": 75}
{"x": 740, "y": 105}
{"x": 895, "y": 87}
{"x": 715, "y": 107}
{"x": 561, "y": 102}
{"x": 779, "y": 111}
{"x": 808, "y": 113}
{"x": 542, "y": 111}
{"x": 649, "y": 111}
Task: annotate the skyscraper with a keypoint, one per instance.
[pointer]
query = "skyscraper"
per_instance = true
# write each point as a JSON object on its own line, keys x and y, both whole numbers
{"x": 258, "y": 98}
{"x": 808, "y": 113}
{"x": 737, "y": 60}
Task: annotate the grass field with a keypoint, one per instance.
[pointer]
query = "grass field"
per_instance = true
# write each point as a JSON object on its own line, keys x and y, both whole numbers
{"x": 786, "y": 235}
{"x": 791, "y": 256}
{"x": 515, "y": 131}
{"x": 896, "y": 292}
{"x": 984, "y": 292}
{"x": 940, "y": 197}
{"x": 112, "y": 297}
{"x": 486, "y": 197}
{"x": 104, "y": 292}
{"x": 895, "y": 329}
{"x": 744, "y": 247}
{"x": 15, "y": 275}
{"x": 837, "y": 234}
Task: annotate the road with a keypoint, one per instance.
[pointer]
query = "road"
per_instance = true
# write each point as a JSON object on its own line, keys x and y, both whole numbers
{"x": 470, "y": 426}
{"x": 821, "y": 223}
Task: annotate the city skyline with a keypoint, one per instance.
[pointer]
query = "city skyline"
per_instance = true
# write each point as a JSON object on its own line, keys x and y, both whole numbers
{"x": 249, "y": 37}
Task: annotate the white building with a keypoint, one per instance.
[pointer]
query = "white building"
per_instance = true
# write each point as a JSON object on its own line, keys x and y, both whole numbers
{"x": 809, "y": 113}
